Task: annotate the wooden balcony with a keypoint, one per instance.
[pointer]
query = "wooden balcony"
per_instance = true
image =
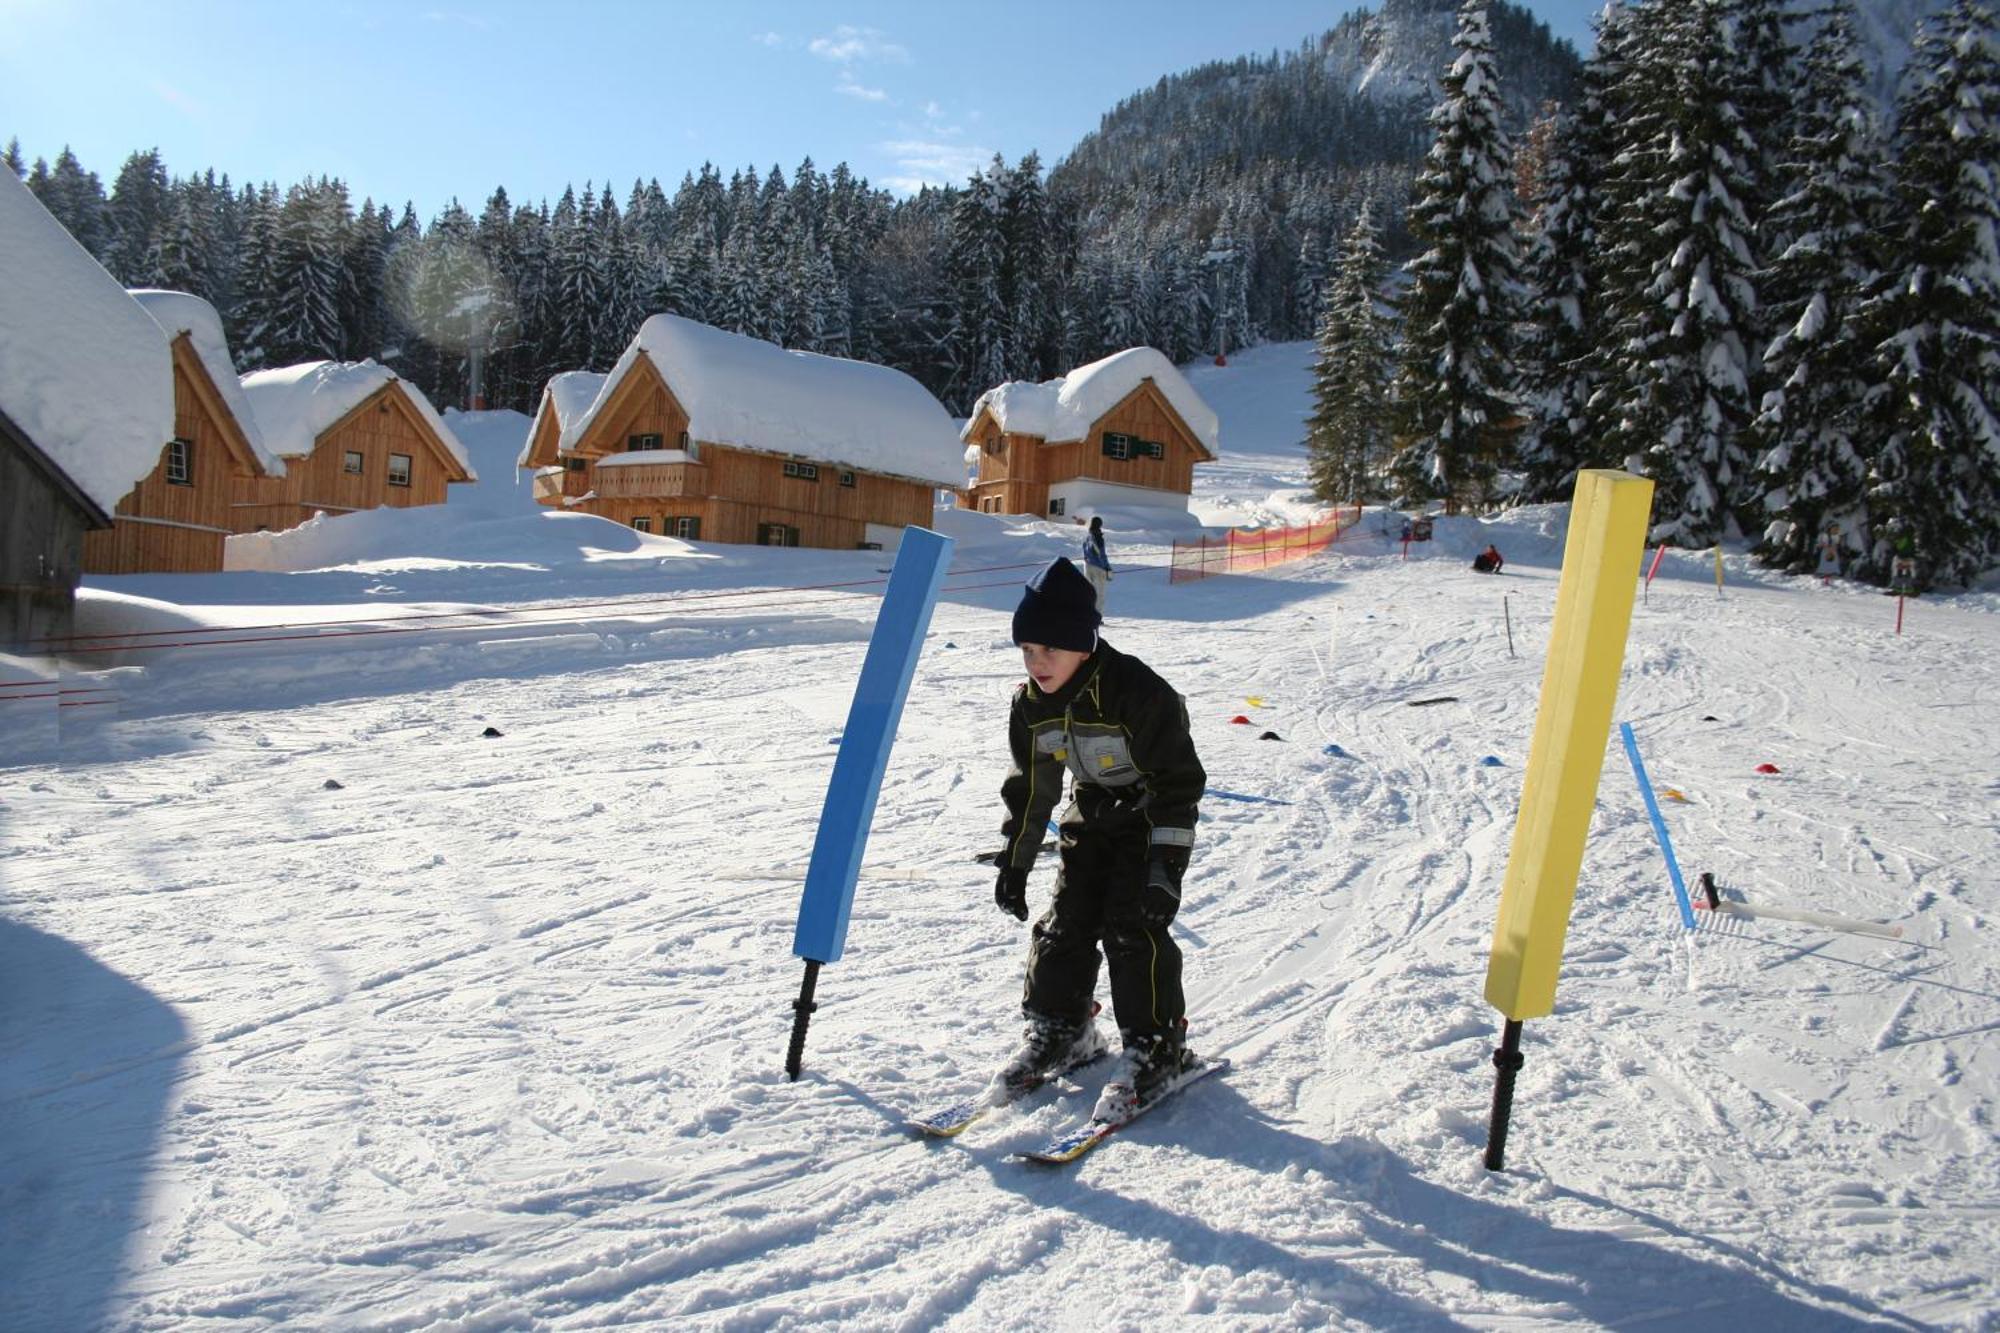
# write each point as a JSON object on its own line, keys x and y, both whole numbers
{"x": 551, "y": 485}
{"x": 648, "y": 481}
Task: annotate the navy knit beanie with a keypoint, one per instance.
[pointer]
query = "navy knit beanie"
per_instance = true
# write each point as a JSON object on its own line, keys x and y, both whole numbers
{"x": 1058, "y": 609}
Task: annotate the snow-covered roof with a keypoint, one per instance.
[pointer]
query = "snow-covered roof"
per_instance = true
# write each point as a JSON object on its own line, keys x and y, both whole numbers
{"x": 568, "y": 395}
{"x": 295, "y": 405}
{"x": 83, "y": 371}
{"x": 757, "y": 396}
{"x": 1064, "y": 409}
{"x": 180, "y": 312}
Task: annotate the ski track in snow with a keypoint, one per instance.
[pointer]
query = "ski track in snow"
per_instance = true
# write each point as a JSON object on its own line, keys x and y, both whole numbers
{"x": 491, "y": 1036}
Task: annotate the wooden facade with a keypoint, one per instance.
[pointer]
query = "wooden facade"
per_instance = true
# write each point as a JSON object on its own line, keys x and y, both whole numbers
{"x": 381, "y": 453}
{"x": 707, "y": 491}
{"x": 1016, "y": 471}
{"x": 176, "y": 518}
{"x": 44, "y": 518}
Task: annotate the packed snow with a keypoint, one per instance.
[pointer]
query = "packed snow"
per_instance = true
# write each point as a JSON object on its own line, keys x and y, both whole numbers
{"x": 84, "y": 372}
{"x": 1065, "y": 408}
{"x": 439, "y": 975}
{"x": 754, "y": 395}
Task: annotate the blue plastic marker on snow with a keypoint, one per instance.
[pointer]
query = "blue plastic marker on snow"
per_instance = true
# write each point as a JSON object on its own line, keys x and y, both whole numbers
{"x": 893, "y": 648}
{"x": 1659, "y": 824}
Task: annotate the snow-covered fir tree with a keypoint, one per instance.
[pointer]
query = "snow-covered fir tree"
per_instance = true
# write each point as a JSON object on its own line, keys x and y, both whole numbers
{"x": 137, "y": 209}
{"x": 1934, "y": 482}
{"x": 179, "y": 256}
{"x": 1457, "y": 391}
{"x": 1812, "y": 454}
{"x": 75, "y": 198}
{"x": 311, "y": 236}
{"x": 1347, "y": 435}
{"x": 1679, "y": 272}
{"x": 979, "y": 317}
{"x": 1024, "y": 241}
{"x": 1564, "y": 326}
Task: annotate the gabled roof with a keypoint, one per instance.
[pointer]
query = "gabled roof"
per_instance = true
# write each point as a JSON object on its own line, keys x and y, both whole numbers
{"x": 295, "y": 405}
{"x": 754, "y": 395}
{"x": 179, "y": 312}
{"x": 565, "y": 399}
{"x": 1064, "y": 409}
{"x": 84, "y": 374}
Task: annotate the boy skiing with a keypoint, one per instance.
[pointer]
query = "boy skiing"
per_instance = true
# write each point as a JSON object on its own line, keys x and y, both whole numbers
{"x": 1122, "y": 732}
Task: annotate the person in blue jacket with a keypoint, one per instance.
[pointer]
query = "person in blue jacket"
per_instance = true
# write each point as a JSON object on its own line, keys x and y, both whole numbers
{"x": 1095, "y": 563}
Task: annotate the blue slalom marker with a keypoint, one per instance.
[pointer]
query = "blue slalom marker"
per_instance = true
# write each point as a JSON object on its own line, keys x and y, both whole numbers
{"x": 1659, "y": 824}
{"x": 863, "y": 758}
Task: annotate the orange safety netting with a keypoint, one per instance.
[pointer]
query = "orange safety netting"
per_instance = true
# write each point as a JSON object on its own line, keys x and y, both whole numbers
{"x": 1243, "y": 549}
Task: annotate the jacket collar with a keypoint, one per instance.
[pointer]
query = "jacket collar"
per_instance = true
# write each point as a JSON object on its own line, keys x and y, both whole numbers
{"x": 1084, "y": 681}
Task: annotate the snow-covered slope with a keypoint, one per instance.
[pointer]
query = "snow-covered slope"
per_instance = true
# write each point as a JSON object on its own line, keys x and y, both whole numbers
{"x": 324, "y": 1007}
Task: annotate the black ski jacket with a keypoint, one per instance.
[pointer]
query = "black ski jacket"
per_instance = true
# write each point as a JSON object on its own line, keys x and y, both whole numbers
{"x": 1123, "y": 734}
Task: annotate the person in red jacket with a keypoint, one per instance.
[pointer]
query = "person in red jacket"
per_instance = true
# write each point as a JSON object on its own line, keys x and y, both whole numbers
{"x": 1488, "y": 561}
{"x": 1126, "y": 838}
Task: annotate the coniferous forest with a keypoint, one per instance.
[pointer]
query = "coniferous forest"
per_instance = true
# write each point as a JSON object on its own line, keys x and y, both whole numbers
{"x": 1704, "y": 253}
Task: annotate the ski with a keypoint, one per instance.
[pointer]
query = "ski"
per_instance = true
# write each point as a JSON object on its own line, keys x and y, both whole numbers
{"x": 1074, "y": 1144}
{"x": 954, "y": 1118}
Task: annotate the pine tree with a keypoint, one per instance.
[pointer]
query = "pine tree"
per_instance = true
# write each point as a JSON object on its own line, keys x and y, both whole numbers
{"x": 182, "y": 248}
{"x": 1934, "y": 485}
{"x": 1686, "y": 311}
{"x": 1023, "y": 281}
{"x": 1457, "y": 391}
{"x": 1812, "y": 462}
{"x": 1565, "y": 335}
{"x": 75, "y": 198}
{"x": 978, "y": 336}
{"x": 12, "y": 157}
{"x": 1347, "y": 435}
{"x": 575, "y": 282}
{"x": 253, "y": 314}
{"x": 138, "y": 209}
{"x": 305, "y": 323}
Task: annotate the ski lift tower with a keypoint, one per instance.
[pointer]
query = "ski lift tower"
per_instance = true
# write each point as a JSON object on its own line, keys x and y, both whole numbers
{"x": 1220, "y": 255}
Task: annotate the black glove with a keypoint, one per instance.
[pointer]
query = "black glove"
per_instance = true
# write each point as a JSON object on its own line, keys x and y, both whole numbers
{"x": 1163, "y": 885}
{"x": 1010, "y": 891}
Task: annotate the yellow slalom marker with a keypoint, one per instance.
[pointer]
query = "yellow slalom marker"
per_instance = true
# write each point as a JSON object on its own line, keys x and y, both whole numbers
{"x": 1718, "y": 569}
{"x": 1673, "y": 794}
{"x": 1254, "y": 701}
{"x": 1600, "y": 569}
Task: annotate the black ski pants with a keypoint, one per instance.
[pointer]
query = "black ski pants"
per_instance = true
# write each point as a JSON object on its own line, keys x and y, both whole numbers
{"x": 1098, "y": 893}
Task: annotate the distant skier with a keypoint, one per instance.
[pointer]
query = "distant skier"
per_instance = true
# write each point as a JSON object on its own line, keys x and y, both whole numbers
{"x": 1126, "y": 839}
{"x": 1488, "y": 561}
{"x": 1095, "y": 562}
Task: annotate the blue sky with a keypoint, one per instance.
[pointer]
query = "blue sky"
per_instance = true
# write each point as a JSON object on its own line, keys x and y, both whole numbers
{"x": 422, "y": 103}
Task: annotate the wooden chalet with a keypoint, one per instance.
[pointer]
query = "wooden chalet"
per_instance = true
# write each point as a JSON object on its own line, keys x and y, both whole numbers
{"x": 1126, "y": 430}
{"x": 565, "y": 399}
{"x": 177, "y": 517}
{"x": 86, "y": 403}
{"x": 712, "y": 436}
{"x": 353, "y": 435}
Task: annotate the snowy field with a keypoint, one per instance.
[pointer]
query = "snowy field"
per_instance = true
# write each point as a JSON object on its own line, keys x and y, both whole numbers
{"x": 489, "y": 1035}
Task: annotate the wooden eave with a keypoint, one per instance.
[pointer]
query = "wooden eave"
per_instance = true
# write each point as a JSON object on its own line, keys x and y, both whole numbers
{"x": 189, "y": 361}
{"x": 546, "y": 436}
{"x": 93, "y": 515}
{"x": 640, "y": 376}
{"x": 399, "y": 400}
{"x": 1147, "y": 386}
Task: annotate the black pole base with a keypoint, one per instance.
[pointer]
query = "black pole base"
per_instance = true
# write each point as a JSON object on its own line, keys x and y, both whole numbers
{"x": 1507, "y": 1062}
{"x": 802, "y": 1012}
